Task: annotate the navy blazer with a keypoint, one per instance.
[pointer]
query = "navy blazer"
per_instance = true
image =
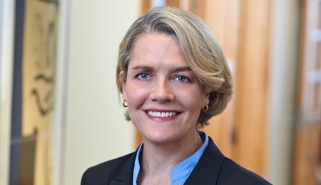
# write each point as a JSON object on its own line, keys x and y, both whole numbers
{"x": 213, "y": 168}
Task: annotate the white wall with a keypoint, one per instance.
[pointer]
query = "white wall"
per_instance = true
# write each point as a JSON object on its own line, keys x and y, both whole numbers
{"x": 284, "y": 58}
{"x": 95, "y": 128}
{"x": 6, "y": 67}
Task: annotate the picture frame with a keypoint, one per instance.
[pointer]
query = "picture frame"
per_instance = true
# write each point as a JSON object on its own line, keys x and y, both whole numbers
{"x": 34, "y": 116}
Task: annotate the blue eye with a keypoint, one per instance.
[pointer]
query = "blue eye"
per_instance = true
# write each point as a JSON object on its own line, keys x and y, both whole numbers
{"x": 182, "y": 79}
{"x": 143, "y": 76}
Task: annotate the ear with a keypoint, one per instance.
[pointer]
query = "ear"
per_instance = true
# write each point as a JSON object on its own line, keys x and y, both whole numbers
{"x": 122, "y": 84}
{"x": 206, "y": 97}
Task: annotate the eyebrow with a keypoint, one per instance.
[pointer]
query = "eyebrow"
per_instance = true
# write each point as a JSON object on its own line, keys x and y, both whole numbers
{"x": 141, "y": 67}
{"x": 177, "y": 69}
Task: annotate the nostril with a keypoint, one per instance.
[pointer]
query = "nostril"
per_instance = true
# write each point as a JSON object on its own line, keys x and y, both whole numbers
{"x": 163, "y": 96}
{"x": 162, "y": 93}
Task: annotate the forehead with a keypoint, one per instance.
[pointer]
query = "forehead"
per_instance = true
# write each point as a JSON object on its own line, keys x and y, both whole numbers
{"x": 147, "y": 39}
{"x": 157, "y": 46}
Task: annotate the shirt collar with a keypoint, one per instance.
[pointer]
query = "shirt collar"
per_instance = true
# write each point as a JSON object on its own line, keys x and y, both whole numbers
{"x": 182, "y": 170}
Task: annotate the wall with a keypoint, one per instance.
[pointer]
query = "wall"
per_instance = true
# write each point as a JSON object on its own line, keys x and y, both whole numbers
{"x": 95, "y": 129}
{"x": 6, "y": 67}
{"x": 284, "y": 50}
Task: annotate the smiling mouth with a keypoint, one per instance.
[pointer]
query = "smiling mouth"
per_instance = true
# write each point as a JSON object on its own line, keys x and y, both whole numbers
{"x": 162, "y": 114}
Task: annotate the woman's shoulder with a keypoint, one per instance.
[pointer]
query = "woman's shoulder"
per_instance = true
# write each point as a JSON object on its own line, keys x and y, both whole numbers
{"x": 113, "y": 162}
{"x": 105, "y": 171}
{"x": 226, "y": 171}
{"x": 240, "y": 174}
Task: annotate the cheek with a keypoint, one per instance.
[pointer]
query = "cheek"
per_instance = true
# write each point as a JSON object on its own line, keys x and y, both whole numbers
{"x": 194, "y": 104}
{"x": 192, "y": 98}
{"x": 135, "y": 96}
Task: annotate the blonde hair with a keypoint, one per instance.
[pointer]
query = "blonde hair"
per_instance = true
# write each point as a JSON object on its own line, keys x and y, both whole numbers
{"x": 199, "y": 45}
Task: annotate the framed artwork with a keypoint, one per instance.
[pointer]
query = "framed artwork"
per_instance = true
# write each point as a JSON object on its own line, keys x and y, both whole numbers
{"x": 34, "y": 83}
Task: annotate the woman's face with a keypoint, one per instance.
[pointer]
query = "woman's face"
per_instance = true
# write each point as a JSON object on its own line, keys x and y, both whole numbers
{"x": 164, "y": 97}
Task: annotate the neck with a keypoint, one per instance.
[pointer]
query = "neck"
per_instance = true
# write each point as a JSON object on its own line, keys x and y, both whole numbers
{"x": 157, "y": 159}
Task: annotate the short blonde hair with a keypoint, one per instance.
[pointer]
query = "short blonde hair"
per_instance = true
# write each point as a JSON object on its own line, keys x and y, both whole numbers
{"x": 199, "y": 45}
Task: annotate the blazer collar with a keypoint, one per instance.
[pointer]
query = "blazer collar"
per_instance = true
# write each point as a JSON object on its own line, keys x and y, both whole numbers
{"x": 207, "y": 170}
{"x": 125, "y": 175}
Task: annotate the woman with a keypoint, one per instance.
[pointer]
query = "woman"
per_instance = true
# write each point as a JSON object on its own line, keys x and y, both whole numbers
{"x": 173, "y": 78}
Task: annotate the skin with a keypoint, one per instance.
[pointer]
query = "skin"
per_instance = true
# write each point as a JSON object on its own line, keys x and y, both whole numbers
{"x": 164, "y": 102}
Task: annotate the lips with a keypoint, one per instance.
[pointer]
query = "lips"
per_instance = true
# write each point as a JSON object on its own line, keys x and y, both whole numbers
{"x": 162, "y": 114}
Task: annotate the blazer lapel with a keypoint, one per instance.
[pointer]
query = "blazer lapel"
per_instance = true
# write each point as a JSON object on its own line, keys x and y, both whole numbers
{"x": 125, "y": 175}
{"x": 207, "y": 170}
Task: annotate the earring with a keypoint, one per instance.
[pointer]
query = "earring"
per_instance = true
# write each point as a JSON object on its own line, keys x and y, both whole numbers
{"x": 205, "y": 108}
{"x": 125, "y": 103}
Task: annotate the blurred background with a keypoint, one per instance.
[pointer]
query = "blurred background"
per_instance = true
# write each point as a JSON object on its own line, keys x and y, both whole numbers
{"x": 60, "y": 111}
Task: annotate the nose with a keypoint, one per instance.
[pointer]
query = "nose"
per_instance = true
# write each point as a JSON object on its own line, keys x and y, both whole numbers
{"x": 162, "y": 91}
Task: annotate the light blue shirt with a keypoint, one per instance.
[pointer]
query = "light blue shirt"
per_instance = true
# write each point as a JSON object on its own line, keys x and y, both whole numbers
{"x": 181, "y": 171}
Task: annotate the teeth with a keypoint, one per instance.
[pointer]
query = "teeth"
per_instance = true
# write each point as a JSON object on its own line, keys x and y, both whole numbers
{"x": 161, "y": 114}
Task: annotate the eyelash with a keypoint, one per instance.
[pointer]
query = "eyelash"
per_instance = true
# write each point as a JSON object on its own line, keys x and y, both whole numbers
{"x": 139, "y": 76}
{"x": 179, "y": 78}
{"x": 147, "y": 76}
